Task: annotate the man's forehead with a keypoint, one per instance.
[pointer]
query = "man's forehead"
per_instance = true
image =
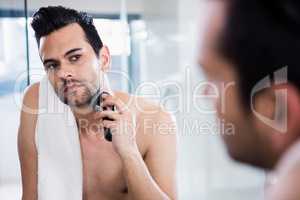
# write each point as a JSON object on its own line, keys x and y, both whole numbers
{"x": 63, "y": 39}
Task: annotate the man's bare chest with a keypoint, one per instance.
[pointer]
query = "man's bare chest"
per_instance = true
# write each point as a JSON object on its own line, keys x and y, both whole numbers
{"x": 102, "y": 167}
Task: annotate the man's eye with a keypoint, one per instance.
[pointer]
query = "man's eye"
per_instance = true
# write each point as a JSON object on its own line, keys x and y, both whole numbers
{"x": 51, "y": 66}
{"x": 74, "y": 58}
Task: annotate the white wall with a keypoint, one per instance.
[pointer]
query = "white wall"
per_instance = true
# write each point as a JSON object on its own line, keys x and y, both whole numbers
{"x": 161, "y": 51}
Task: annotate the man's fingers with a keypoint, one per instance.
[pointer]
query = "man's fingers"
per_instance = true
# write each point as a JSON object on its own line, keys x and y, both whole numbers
{"x": 107, "y": 114}
{"x": 109, "y": 124}
{"x": 111, "y": 101}
{"x": 110, "y": 104}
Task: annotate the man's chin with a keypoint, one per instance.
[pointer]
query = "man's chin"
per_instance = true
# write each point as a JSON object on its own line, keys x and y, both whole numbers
{"x": 74, "y": 102}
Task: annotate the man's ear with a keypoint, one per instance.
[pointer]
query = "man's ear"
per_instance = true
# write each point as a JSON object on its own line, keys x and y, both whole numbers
{"x": 284, "y": 109}
{"x": 105, "y": 58}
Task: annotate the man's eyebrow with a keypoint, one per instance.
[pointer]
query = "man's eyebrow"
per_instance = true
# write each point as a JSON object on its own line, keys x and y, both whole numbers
{"x": 49, "y": 60}
{"x": 66, "y": 54}
{"x": 71, "y": 51}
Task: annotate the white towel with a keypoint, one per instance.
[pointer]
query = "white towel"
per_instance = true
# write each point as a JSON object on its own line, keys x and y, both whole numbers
{"x": 58, "y": 146}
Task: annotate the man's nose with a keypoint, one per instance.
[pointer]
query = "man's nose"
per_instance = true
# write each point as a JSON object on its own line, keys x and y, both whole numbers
{"x": 66, "y": 73}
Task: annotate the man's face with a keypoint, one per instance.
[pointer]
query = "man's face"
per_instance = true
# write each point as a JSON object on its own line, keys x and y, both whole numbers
{"x": 71, "y": 65}
{"x": 245, "y": 144}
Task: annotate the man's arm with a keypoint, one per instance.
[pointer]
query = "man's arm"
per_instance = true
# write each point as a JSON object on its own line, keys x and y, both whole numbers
{"x": 154, "y": 178}
{"x": 286, "y": 186}
{"x": 26, "y": 144}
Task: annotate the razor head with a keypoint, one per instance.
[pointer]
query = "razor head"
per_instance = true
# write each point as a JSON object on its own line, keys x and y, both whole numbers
{"x": 96, "y": 101}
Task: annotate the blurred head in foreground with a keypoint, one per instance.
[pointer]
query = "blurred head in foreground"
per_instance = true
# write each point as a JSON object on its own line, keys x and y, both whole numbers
{"x": 251, "y": 51}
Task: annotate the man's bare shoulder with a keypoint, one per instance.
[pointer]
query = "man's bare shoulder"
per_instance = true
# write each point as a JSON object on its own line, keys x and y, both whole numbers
{"x": 287, "y": 176}
{"x": 286, "y": 186}
{"x": 29, "y": 114}
{"x": 31, "y": 97}
{"x": 152, "y": 119}
{"x": 145, "y": 109}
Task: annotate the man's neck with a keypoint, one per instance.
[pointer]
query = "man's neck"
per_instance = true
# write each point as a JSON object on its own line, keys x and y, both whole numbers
{"x": 85, "y": 112}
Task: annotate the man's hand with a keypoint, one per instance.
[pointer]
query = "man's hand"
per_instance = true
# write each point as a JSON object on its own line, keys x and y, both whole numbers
{"x": 121, "y": 123}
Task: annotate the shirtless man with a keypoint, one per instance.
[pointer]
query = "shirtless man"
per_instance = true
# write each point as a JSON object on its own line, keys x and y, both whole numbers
{"x": 244, "y": 42}
{"x": 140, "y": 161}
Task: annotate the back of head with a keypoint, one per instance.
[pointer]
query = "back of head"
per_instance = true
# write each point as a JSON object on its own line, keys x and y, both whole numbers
{"x": 259, "y": 40}
{"x": 260, "y": 37}
{"x": 49, "y": 19}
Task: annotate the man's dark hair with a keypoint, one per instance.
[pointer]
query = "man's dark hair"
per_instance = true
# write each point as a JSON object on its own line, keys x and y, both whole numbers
{"x": 260, "y": 37}
{"x": 49, "y": 19}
